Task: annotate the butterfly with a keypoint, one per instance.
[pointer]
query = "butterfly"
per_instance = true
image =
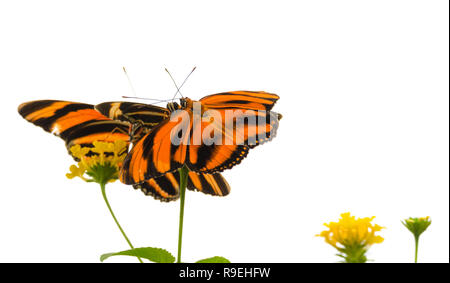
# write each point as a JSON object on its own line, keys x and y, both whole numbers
{"x": 82, "y": 124}
{"x": 175, "y": 142}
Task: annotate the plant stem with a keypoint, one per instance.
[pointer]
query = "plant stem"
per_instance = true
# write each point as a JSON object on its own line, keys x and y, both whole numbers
{"x": 102, "y": 185}
{"x": 416, "y": 239}
{"x": 183, "y": 183}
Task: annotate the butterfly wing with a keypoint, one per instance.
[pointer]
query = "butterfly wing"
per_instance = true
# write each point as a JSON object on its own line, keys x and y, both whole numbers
{"x": 230, "y": 134}
{"x": 241, "y": 127}
{"x": 154, "y": 154}
{"x": 246, "y": 100}
{"x": 166, "y": 188}
{"x": 213, "y": 158}
{"x": 211, "y": 184}
{"x": 149, "y": 115}
{"x": 245, "y": 115}
{"x": 75, "y": 123}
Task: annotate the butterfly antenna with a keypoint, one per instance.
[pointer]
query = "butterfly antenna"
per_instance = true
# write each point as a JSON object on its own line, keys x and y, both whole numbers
{"x": 134, "y": 92}
{"x": 153, "y": 103}
{"x": 144, "y": 98}
{"x": 187, "y": 77}
{"x": 178, "y": 89}
{"x": 129, "y": 81}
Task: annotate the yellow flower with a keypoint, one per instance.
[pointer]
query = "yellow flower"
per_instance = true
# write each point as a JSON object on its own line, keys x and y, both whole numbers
{"x": 352, "y": 236}
{"x": 417, "y": 226}
{"x": 101, "y": 162}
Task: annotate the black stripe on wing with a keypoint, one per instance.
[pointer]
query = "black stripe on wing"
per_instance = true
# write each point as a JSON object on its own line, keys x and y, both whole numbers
{"x": 164, "y": 188}
{"x": 75, "y": 123}
{"x": 149, "y": 115}
{"x": 241, "y": 100}
{"x": 211, "y": 184}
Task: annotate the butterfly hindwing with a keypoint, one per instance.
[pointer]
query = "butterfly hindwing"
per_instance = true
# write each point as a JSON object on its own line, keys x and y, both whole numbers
{"x": 166, "y": 188}
{"x": 212, "y": 184}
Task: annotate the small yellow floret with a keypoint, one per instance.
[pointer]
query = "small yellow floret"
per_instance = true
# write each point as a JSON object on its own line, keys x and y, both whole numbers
{"x": 95, "y": 159}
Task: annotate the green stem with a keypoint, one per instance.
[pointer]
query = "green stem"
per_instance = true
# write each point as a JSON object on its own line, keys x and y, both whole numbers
{"x": 102, "y": 185}
{"x": 416, "y": 239}
{"x": 183, "y": 183}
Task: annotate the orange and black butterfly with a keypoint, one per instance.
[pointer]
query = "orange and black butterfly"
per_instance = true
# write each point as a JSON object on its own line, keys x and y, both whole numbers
{"x": 175, "y": 142}
{"x": 80, "y": 123}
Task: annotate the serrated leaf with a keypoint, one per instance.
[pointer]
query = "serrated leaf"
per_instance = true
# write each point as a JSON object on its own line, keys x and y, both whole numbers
{"x": 153, "y": 254}
{"x": 214, "y": 259}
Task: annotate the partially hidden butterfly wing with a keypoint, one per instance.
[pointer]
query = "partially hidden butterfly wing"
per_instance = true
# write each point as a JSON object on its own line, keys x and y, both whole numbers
{"x": 166, "y": 187}
{"x": 148, "y": 115}
{"x": 75, "y": 123}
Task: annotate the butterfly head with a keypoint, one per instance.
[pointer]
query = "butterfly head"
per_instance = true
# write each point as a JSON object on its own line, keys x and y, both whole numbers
{"x": 184, "y": 103}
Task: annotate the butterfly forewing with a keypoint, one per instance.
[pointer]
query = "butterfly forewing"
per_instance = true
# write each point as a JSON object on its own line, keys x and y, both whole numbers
{"x": 232, "y": 133}
{"x": 149, "y": 115}
{"x": 75, "y": 123}
{"x": 249, "y": 100}
{"x": 155, "y": 155}
{"x": 217, "y": 156}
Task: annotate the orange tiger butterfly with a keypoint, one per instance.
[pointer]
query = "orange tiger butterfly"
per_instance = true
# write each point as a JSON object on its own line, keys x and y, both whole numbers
{"x": 80, "y": 123}
{"x": 156, "y": 153}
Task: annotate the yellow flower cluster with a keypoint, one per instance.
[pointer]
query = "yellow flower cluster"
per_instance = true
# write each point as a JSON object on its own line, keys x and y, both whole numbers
{"x": 102, "y": 161}
{"x": 352, "y": 232}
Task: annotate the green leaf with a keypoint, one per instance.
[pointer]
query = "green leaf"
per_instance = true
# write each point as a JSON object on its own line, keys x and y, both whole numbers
{"x": 214, "y": 259}
{"x": 153, "y": 254}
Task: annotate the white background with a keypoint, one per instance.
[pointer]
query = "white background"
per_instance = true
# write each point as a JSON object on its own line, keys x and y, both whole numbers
{"x": 364, "y": 95}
